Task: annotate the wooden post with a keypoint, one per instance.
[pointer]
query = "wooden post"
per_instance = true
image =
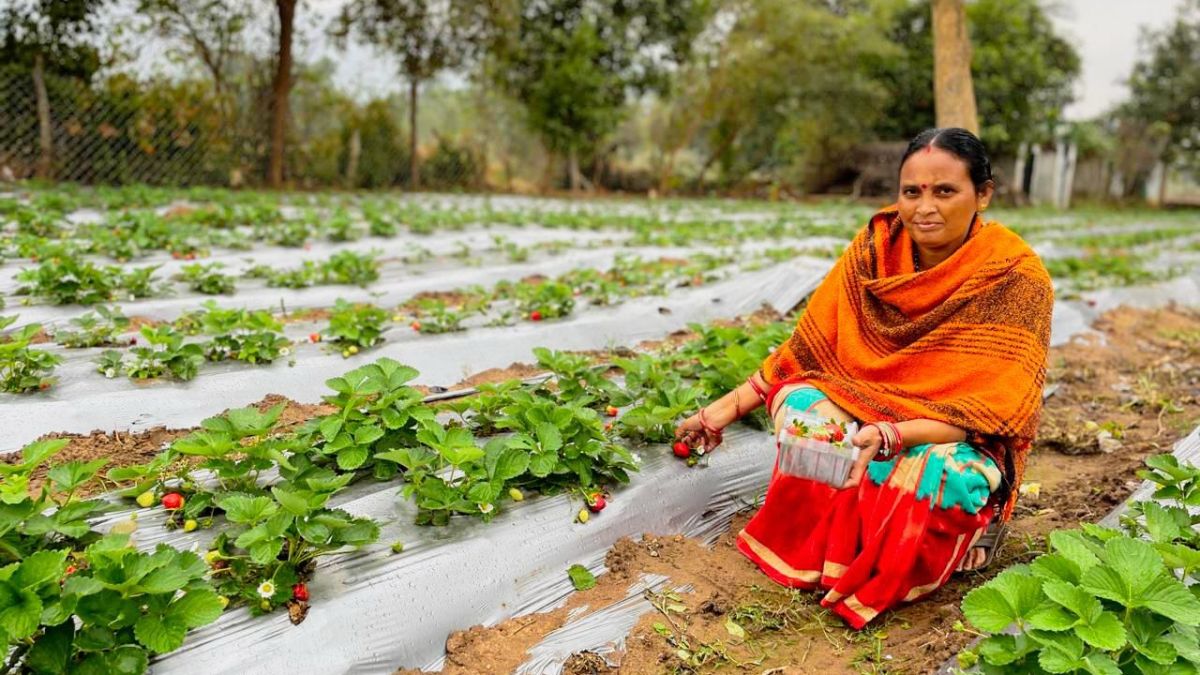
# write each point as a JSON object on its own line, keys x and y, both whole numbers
{"x": 45, "y": 161}
{"x": 953, "y": 93}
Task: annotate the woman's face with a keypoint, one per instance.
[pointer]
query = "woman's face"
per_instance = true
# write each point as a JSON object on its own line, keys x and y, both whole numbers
{"x": 938, "y": 199}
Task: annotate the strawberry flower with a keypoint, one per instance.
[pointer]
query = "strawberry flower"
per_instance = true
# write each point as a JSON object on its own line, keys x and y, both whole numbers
{"x": 266, "y": 589}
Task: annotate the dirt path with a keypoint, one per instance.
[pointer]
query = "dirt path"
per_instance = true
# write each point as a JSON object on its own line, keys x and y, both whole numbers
{"x": 1130, "y": 394}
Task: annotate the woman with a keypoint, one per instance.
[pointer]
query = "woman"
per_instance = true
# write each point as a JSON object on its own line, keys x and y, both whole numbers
{"x": 932, "y": 332}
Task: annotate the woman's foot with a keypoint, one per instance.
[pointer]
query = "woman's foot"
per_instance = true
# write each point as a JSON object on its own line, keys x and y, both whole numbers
{"x": 984, "y": 551}
{"x": 973, "y": 560}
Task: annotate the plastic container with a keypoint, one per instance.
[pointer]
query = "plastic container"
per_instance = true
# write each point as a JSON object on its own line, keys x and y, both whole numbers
{"x": 807, "y": 448}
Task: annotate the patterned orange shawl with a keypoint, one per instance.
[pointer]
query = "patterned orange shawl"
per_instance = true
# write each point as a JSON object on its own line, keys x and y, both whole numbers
{"x": 964, "y": 343}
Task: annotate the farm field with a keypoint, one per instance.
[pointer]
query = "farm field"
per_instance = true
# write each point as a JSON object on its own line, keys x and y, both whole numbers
{"x": 327, "y": 414}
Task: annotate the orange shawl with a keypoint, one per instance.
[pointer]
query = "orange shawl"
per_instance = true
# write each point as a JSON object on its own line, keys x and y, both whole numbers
{"x": 964, "y": 343}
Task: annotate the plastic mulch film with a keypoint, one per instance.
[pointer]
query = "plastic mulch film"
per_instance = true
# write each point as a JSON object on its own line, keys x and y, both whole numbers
{"x": 80, "y": 405}
{"x": 373, "y": 612}
{"x": 601, "y": 632}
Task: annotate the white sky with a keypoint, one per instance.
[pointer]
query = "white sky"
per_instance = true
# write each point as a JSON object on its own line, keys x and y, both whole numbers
{"x": 1105, "y": 33}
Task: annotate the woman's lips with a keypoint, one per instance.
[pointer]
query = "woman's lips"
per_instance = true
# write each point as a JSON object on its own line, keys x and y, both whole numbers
{"x": 927, "y": 226}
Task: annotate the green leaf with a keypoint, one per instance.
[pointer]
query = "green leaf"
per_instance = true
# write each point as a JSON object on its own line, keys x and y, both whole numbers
{"x": 95, "y": 639}
{"x": 987, "y": 609}
{"x": 1072, "y": 546}
{"x": 196, "y": 608}
{"x": 1169, "y": 597}
{"x": 1063, "y": 655}
{"x": 734, "y": 629}
{"x": 511, "y": 463}
{"x": 40, "y": 568}
{"x": 999, "y": 650}
{"x": 166, "y": 579}
{"x": 127, "y": 660}
{"x": 352, "y": 457}
{"x": 1161, "y": 523}
{"x": 1135, "y": 561}
{"x": 1100, "y": 664}
{"x": 20, "y": 611}
{"x": 1104, "y": 632}
{"x": 542, "y": 463}
{"x": 581, "y": 578}
{"x": 52, "y": 650}
{"x": 1052, "y": 617}
{"x": 1055, "y": 567}
{"x": 263, "y": 553}
{"x": 71, "y": 475}
{"x": 293, "y": 502}
{"x": 331, "y": 426}
{"x": 159, "y": 634}
{"x": 244, "y": 509}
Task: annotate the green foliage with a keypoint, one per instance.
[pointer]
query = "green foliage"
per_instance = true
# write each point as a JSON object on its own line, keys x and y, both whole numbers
{"x": 1163, "y": 85}
{"x": 101, "y": 328}
{"x": 207, "y": 279}
{"x": 164, "y": 354}
{"x": 23, "y": 369}
{"x": 1103, "y": 600}
{"x": 356, "y": 325}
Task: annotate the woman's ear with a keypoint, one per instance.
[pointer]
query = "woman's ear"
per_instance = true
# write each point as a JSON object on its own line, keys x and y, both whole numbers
{"x": 984, "y": 196}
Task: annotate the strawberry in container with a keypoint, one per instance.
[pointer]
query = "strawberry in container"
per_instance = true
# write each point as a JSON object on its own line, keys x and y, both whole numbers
{"x": 817, "y": 448}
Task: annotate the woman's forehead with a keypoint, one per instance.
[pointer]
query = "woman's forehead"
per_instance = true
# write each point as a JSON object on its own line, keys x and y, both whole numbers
{"x": 935, "y": 166}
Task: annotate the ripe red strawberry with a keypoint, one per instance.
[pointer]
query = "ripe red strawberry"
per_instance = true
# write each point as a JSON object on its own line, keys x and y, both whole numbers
{"x": 835, "y": 432}
{"x": 172, "y": 501}
{"x": 611, "y": 411}
{"x": 416, "y": 325}
{"x": 682, "y": 450}
{"x": 314, "y": 337}
{"x": 820, "y": 435}
{"x": 71, "y": 569}
{"x": 535, "y": 315}
{"x": 608, "y": 426}
{"x": 300, "y": 592}
{"x": 133, "y": 342}
{"x": 596, "y": 503}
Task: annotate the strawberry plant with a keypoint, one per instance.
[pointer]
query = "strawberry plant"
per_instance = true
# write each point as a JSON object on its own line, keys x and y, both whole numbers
{"x": 76, "y": 601}
{"x": 356, "y": 325}
{"x": 207, "y": 279}
{"x": 579, "y": 380}
{"x": 69, "y": 280}
{"x": 236, "y": 446}
{"x": 341, "y": 227}
{"x": 298, "y": 277}
{"x": 1102, "y": 600}
{"x": 241, "y": 335}
{"x": 23, "y": 369}
{"x": 662, "y": 399}
{"x": 551, "y": 299}
{"x": 165, "y": 354}
{"x": 104, "y": 327}
{"x": 348, "y": 267}
{"x": 377, "y": 412}
{"x": 140, "y": 283}
{"x": 276, "y": 538}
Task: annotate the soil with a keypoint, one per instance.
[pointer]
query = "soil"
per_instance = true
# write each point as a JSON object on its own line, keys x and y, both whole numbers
{"x": 1138, "y": 383}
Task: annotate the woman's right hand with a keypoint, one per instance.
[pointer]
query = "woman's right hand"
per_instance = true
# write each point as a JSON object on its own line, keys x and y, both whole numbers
{"x": 692, "y": 432}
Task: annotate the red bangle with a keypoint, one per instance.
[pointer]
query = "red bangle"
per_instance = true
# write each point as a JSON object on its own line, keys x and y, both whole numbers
{"x": 762, "y": 395}
{"x": 708, "y": 427}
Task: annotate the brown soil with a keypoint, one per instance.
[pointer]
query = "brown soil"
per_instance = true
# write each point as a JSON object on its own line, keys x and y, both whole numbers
{"x": 514, "y": 371}
{"x": 300, "y": 315}
{"x": 451, "y": 298}
{"x": 1139, "y": 383}
{"x": 126, "y": 449}
{"x": 136, "y": 323}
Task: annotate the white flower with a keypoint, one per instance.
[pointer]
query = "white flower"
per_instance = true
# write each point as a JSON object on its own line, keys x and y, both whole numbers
{"x": 266, "y": 589}
{"x": 284, "y": 351}
{"x": 110, "y": 373}
{"x": 486, "y": 508}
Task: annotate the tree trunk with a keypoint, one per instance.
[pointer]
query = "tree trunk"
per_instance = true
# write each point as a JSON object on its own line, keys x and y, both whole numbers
{"x": 280, "y": 90}
{"x": 353, "y": 159}
{"x": 45, "y": 162}
{"x": 953, "y": 93}
{"x": 414, "y": 164}
{"x": 573, "y": 169}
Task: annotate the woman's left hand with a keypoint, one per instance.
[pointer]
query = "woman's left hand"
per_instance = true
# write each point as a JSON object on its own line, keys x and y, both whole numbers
{"x": 868, "y": 440}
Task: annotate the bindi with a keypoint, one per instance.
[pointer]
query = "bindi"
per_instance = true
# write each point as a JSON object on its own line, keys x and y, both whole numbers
{"x": 929, "y": 149}
{"x": 924, "y": 186}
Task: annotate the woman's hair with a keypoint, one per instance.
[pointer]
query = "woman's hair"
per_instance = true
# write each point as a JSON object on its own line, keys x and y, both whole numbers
{"x": 960, "y": 143}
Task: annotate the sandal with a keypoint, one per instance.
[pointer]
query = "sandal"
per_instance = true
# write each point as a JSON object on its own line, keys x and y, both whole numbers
{"x": 990, "y": 542}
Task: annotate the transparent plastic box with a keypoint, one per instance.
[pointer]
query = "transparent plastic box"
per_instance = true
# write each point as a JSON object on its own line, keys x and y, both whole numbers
{"x": 806, "y": 457}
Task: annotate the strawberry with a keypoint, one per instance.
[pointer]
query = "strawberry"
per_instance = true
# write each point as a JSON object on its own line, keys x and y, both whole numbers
{"x": 608, "y": 426}
{"x": 133, "y": 342}
{"x": 416, "y": 325}
{"x": 43, "y": 385}
{"x": 314, "y": 337}
{"x": 582, "y": 516}
{"x": 212, "y": 557}
{"x": 820, "y": 435}
{"x": 682, "y": 450}
{"x": 596, "y": 503}
{"x": 71, "y": 569}
{"x": 353, "y": 349}
{"x": 835, "y": 432}
{"x": 300, "y": 592}
{"x": 146, "y": 499}
{"x": 535, "y": 315}
{"x": 611, "y": 411}
{"x": 223, "y": 600}
{"x": 190, "y": 525}
{"x": 516, "y": 495}
{"x": 397, "y": 546}
{"x": 172, "y": 501}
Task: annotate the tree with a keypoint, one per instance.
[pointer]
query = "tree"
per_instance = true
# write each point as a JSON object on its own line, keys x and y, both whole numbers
{"x": 1022, "y": 72}
{"x": 571, "y": 63}
{"x": 954, "y": 97}
{"x": 49, "y": 35}
{"x": 794, "y": 88}
{"x": 1165, "y": 86}
{"x": 211, "y": 30}
{"x": 427, "y": 36}
{"x": 281, "y": 86}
